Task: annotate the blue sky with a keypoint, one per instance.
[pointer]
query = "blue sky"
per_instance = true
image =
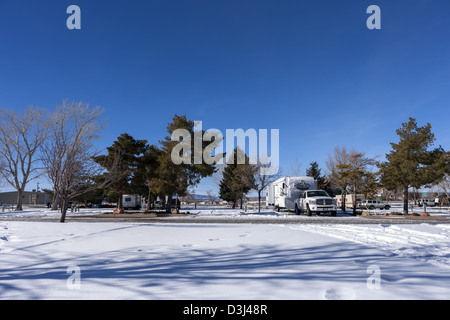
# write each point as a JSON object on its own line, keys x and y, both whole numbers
{"x": 311, "y": 69}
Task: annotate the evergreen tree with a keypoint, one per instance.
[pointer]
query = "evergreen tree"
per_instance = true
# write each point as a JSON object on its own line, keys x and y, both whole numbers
{"x": 175, "y": 179}
{"x": 315, "y": 172}
{"x": 410, "y": 162}
{"x": 143, "y": 180}
{"x": 237, "y": 179}
{"x": 124, "y": 154}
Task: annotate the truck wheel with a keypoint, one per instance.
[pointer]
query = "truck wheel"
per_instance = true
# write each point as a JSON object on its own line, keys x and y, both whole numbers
{"x": 297, "y": 212}
{"x": 387, "y": 207}
{"x": 308, "y": 211}
{"x": 333, "y": 213}
{"x": 371, "y": 207}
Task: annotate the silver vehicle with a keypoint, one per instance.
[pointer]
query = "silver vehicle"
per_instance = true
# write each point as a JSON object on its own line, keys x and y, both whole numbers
{"x": 373, "y": 204}
{"x": 430, "y": 203}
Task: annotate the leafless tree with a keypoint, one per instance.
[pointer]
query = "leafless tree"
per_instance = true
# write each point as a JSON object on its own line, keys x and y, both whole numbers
{"x": 258, "y": 177}
{"x": 295, "y": 168}
{"x": 210, "y": 195}
{"x": 21, "y": 136}
{"x": 68, "y": 152}
{"x": 445, "y": 185}
{"x": 340, "y": 156}
{"x": 2, "y": 166}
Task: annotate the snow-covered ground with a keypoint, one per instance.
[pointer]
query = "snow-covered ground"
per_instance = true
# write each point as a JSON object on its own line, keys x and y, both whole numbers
{"x": 48, "y": 260}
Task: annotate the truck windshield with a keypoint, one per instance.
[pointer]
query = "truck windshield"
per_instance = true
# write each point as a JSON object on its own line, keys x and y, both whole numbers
{"x": 318, "y": 193}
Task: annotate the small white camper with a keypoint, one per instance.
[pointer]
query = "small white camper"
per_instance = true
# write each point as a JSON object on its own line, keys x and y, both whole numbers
{"x": 283, "y": 192}
{"x": 131, "y": 201}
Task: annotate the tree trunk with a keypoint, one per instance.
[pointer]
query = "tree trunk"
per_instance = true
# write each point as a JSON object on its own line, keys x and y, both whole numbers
{"x": 149, "y": 200}
{"x": 354, "y": 199}
{"x": 19, "y": 200}
{"x": 343, "y": 196}
{"x": 405, "y": 200}
{"x": 169, "y": 204}
{"x": 120, "y": 202}
{"x": 64, "y": 205}
{"x": 259, "y": 200}
{"x": 55, "y": 202}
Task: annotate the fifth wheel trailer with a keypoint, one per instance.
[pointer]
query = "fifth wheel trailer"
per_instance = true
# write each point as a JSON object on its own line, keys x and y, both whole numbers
{"x": 283, "y": 192}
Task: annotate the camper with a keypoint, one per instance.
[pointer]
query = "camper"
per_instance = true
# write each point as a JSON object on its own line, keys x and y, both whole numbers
{"x": 132, "y": 201}
{"x": 283, "y": 193}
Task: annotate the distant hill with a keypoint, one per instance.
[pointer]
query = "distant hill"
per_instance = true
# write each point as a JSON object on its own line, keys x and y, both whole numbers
{"x": 203, "y": 197}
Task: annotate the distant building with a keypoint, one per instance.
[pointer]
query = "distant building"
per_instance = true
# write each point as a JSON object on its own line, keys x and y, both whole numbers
{"x": 29, "y": 197}
{"x": 348, "y": 200}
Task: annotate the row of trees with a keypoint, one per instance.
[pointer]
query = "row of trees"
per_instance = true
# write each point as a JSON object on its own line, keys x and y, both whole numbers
{"x": 238, "y": 179}
{"x": 60, "y": 145}
{"x": 412, "y": 163}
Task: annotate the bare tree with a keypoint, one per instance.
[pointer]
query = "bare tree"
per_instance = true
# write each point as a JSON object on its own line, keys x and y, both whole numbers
{"x": 257, "y": 176}
{"x": 68, "y": 152}
{"x": 294, "y": 169}
{"x": 210, "y": 195}
{"x": 340, "y": 156}
{"x": 21, "y": 136}
{"x": 2, "y": 166}
{"x": 445, "y": 185}
{"x": 356, "y": 173}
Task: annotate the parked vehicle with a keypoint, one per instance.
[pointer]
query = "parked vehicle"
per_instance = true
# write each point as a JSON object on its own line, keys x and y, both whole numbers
{"x": 315, "y": 201}
{"x": 373, "y": 204}
{"x": 159, "y": 205}
{"x": 429, "y": 202}
{"x": 283, "y": 193}
{"x": 131, "y": 201}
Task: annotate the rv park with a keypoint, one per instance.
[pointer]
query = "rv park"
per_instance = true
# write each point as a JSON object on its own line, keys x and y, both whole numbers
{"x": 224, "y": 150}
{"x": 291, "y": 241}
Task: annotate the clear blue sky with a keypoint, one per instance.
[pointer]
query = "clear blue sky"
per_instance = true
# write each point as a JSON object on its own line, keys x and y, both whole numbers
{"x": 310, "y": 68}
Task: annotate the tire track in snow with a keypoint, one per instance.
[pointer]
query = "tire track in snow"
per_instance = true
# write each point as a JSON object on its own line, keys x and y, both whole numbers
{"x": 423, "y": 242}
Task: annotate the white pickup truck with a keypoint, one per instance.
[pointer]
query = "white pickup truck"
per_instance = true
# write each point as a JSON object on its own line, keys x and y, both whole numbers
{"x": 317, "y": 201}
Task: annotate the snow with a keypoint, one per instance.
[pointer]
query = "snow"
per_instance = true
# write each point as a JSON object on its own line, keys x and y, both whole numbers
{"x": 133, "y": 260}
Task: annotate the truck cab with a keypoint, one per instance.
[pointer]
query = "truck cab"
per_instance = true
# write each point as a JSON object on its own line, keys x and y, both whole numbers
{"x": 315, "y": 201}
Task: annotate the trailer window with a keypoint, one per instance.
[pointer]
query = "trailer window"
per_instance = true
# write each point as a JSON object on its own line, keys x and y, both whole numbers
{"x": 127, "y": 199}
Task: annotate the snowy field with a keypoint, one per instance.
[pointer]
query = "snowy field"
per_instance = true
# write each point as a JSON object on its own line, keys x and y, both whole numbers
{"x": 49, "y": 260}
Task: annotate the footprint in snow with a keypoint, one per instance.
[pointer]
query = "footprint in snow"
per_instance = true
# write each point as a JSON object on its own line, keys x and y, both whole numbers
{"x": 331, "y": 294}
{"x": 244, "y": 235}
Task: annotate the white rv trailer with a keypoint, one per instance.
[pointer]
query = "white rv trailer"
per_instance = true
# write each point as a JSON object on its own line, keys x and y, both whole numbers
{"x": 131, "y": 201}
{"x": 283, "y": 192}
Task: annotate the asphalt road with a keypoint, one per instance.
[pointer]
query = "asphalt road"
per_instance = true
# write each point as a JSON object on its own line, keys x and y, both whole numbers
{"x": 272, "y": 219}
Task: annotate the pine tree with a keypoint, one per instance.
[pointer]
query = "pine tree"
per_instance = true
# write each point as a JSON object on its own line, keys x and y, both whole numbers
{"x": 237, "y": 179}
{"x": 126, "y": 150}
{"x": 315, "y": 172}
{"x": 411, "y": 163}
{"x": 175, "y": 179}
